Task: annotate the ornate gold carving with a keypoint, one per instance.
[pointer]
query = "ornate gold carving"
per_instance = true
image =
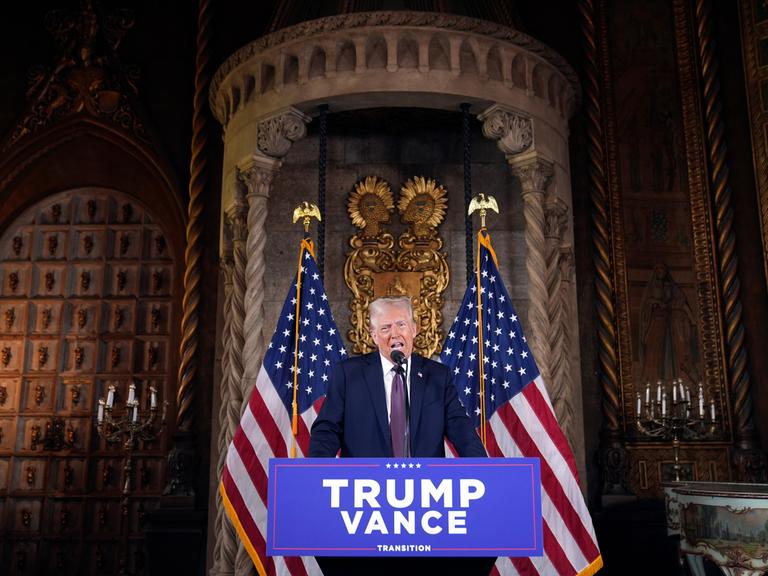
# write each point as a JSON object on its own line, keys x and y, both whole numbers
{"x": 122, "y": 279}
{"x": 370, "y": 205}
{"x": 88, "y": 244}
{"x": 42, "y": 356}
{"x": 75, "y": 391}
{"x": 160, "y": 243}
{"x": 53, "y": 244}
{"x": 115, "y": 355}
{"x": 119, "y": 316}
{"x": 157, "y": 280}
{"x": 85, "y": 280}
{"x": 422, "y": 206}
{"x": 374, "y": 268}
{"x": 83, "y": 79}
{"x": 35, "y": 437}
{"x": 482, "y": 203}
{"x": 45, "y": 318}
{"x": 79, "y": 354}
{"x": 82, "y": 317}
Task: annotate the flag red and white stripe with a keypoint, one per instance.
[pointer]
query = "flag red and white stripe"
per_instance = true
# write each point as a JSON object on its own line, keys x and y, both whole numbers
{"x": 501, "y": 389}
{"x": 296, "y": 368}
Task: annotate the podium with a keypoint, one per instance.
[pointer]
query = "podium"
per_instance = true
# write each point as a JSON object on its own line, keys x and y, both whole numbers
{"x": 357, "y": 513}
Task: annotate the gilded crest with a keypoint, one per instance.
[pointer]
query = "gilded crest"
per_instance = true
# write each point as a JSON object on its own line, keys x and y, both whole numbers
{"x": 370, "y": 205}
{"x": 422, "y": 205}
{"x": 416, "y": 268}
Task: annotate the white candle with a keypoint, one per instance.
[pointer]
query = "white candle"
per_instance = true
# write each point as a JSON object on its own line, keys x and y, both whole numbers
{"x": 712, "y": 409}
{"x": 682, "y": 388}
{"x": 674, "y": 392}
{"x": 664, "y": 405}
{"x": 100, "y": 416}
{"x": 111, "y": 395}
{"x": 152, "y": 397}
{"x": 647, "y": 393}
{"x": 658, "y": 391}
{"x": 131, "y": 393}
{"x": 688, "y": 394}
{"x": 639, "y": 404}
{"x": 135, "y": 411}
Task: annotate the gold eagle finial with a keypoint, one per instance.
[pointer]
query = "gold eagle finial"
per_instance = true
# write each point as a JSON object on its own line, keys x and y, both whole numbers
{"x": 483, "y": 203}
{"x": 306, "y": 211}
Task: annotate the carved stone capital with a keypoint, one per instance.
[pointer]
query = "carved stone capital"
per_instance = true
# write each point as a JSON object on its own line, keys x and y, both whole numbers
{"x": 236, "y": 219}
{"x": 534, "y": 174}
{"x": 257, "y": 175}
{"x": 276, "y": 134}
{"x": 555, "y": 218}
{"x": 512, "y": 131}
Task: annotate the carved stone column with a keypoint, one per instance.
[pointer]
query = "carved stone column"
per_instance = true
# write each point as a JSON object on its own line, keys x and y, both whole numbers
{"x": 557, "y": 259}
{"x": 225, "y": 545}
{"x": 534, "y": 174}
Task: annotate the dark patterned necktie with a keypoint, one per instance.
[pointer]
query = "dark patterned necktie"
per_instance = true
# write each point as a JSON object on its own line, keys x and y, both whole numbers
{"x": 397, "y": 416}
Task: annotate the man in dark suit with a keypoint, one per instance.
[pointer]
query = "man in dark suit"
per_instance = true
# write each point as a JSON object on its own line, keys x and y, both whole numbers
{"x": 355, "y": 417}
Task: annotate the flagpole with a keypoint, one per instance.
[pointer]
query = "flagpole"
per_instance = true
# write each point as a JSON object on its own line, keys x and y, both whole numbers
{"x": 480, "y": 340}
{"x": 304, "y": 212}
{"x": 482, "y": 203}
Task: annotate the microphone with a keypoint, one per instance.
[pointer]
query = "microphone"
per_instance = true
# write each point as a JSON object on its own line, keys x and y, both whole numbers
{"x": 398, "y": 358}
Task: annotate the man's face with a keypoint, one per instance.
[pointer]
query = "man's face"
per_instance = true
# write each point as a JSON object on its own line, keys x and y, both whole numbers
{"x": 393, "y": 329}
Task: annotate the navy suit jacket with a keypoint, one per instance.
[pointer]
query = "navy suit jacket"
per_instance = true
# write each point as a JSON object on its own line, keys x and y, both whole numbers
{"x": 354, "y": 415}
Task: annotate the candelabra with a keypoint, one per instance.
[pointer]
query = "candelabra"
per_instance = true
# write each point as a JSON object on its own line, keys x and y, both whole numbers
{"x": 672, "y": 415}
{"x": 128, "y": 427}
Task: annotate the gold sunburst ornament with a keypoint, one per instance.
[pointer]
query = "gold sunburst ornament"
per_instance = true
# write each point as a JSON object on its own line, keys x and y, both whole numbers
{"x": 370, "y": 205}
{"x": 422, "y": 204}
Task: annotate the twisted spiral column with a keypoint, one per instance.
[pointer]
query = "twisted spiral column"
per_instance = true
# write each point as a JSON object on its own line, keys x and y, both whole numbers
{"x": 556, "y": 219}
{"x": 185, "y": 393}
{"x": 605, "y": 292}
{"x": 225, "y": 545}
{"x": 534, "y": 174}
{"x": 257, "y": 176}
{"x": 726, "y": 238}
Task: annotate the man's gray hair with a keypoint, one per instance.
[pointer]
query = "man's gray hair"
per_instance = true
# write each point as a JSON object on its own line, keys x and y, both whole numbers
{"x": 377, "y": 306}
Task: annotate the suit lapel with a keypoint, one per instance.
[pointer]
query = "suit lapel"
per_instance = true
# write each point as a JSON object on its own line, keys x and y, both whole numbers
{"x": 417, "y": 393}
{"x": 374, "y": 379}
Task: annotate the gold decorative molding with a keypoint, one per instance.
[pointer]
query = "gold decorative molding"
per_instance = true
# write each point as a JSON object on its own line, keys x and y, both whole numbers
{"x": 754, "y": 38}
{"x": 418, "y": 269}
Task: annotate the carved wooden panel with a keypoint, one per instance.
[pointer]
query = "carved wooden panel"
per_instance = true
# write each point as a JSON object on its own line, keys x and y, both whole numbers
{"x": 85, "y": 301}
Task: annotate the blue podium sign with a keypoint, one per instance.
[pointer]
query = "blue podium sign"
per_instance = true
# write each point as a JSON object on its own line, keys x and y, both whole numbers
{"x": 412, "y": 507}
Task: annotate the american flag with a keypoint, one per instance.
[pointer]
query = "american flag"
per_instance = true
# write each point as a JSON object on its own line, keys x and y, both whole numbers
{"x": 519, "y": 419}
{"x": 305, "y": 346}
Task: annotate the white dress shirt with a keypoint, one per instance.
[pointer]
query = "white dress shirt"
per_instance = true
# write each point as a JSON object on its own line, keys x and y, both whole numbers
{"x": 387, "y": 367}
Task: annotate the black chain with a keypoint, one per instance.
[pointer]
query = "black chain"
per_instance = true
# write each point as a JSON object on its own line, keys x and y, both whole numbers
{"x": 322, "y": 162}
{"x": 467, "y": 140}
